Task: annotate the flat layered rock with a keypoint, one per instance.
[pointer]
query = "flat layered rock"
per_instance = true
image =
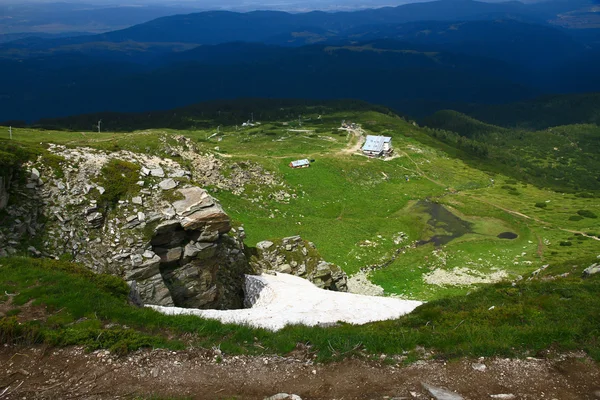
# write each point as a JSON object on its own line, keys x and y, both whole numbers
{"x": 195, "y": 199}
{"x": 168, "y": 184}
{"x": 211, "y": 219}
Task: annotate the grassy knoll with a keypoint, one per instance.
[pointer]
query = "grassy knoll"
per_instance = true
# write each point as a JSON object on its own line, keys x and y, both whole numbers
{"x": 60, "y": 303}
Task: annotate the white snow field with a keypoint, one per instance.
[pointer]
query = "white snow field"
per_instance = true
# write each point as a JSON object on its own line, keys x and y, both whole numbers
{"x": 282, "y": 299}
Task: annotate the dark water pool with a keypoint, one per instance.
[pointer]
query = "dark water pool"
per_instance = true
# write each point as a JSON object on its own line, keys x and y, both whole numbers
{"x": 443, "y": 219}
{"x": 508, "y": 235}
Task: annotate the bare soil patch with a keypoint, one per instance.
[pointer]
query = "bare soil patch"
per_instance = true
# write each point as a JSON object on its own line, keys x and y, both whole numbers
{"x": 35, "y": 373}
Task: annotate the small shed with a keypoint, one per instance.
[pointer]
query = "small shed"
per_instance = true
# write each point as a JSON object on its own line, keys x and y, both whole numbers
{"x": 304, "y": 163}
{"x": 377, "y": 146}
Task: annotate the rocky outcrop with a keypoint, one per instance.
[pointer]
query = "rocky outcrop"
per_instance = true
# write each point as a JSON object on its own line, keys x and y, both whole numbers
{"x": 171, "y": 241}
{"x": 295, "y": 256}
{"x": 199, "y": 256}
{"x": 166, "y": 236}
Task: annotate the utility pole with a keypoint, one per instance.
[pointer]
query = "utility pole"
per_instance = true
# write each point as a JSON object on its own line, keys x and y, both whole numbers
{"x": 99, "y": 124}
{"x": 10, "y": 132}
{"x": 252, "y": 116}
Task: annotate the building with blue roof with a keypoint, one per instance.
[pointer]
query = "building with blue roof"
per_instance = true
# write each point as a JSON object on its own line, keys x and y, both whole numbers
{"x": 377, "y": 146}
{"x": 300, "y": 163}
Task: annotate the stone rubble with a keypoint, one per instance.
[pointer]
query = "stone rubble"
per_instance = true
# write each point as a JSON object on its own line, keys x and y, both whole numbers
{"x": 211, "y": 170}
{"x": 462, "y": 276}
{"x": 295, "y": 256}
{"x": 359, "y": 283}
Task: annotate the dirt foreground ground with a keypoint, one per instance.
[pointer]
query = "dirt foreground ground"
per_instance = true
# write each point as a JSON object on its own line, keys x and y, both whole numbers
{"x": 36, "y": 373}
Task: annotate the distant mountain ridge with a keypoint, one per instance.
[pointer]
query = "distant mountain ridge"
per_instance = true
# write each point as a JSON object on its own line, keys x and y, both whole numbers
{"x": 416, "y": 58}
{"x": 214, "y": 27}
{"x": 385, "y": 72}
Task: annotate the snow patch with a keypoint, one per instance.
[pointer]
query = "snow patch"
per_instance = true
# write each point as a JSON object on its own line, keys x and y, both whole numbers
{"x": 289, "y": 300}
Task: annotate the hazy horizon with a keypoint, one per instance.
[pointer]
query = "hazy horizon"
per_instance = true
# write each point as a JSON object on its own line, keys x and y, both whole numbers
{"x": 99, "y": 16}
{"x": 239, "y": 4}
{"x": 222, "y": 4}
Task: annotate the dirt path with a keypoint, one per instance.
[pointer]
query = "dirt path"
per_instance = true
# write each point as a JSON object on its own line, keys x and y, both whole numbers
{"x": 357, "y": 134}
{"x": 73, "y": 373}
{"x": 580, "y": 233}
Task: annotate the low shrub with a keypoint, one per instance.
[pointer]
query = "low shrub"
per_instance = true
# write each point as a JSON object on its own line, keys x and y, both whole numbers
{"x": 587, "y": 214}
{"x": 118, "y": 178}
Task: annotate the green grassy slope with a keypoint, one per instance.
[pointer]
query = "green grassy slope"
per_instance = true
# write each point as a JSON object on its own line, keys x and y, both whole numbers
{"x": 72, "y": 306}
{"x": 467, "y": 126}
{"x": 561, "y": 157}
{"x": 370, "y": 213}
{"x": 353, "y": 208}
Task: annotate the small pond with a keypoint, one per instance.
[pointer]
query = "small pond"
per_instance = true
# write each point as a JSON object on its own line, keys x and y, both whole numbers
{"x": 508, "y": 235}
{"x": 443, "y": 219}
